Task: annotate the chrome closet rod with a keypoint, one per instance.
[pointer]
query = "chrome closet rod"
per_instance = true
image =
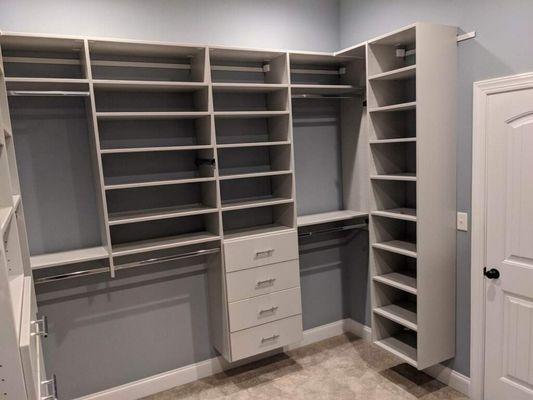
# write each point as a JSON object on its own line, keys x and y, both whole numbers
{"x": 134, "y": 264}
{"x": 42, "y": 93}
{"x": 336, "y": 229}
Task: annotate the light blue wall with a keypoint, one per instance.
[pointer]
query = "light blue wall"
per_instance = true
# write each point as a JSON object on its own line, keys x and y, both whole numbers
{"x": 284, "y": 24}
{"x": 502, "y": 47}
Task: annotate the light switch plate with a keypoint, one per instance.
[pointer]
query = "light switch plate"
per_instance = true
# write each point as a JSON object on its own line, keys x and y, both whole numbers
{"x": 462, "y": 221}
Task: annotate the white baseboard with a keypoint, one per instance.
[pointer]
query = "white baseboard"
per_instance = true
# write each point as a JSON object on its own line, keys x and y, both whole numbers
{"x": 168, "y": 380}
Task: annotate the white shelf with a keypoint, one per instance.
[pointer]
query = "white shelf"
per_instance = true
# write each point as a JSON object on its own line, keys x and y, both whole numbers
{"x": 68, "y": 257}
{"x": 256, "y": 230}
{"x": 153, "y": 149}
{"x": 323, "y": 89}
{"x": 249, "y": 114}
{"x": 400, "y": 346}
{"x": 5, "y": 216}
{"x": 163, "y": 243}
{"x": 406, "y": 214}
{"x": 403, "y": 313}
{"x": 269, "y": 201}
{"x": 398, "y": 247}
{"x": 396, "y": 74}
{"x": 254, "y": 175}
{"x": 152, "y": 115}
{"x": 393, "y": 140}
{"x": 332, "y": 216}
{"x": 251, "y": 144}
{"x": 248, "y": 87}
{"x": 395, "y": 107}
{"x": 160, "y": 213}
{"x": 157, "y": 183}
{"x": 16, "y": 291}
{"x": 148, "y": 85}
{"x": 399, "y": 280}
{"x": 403, "y": 176}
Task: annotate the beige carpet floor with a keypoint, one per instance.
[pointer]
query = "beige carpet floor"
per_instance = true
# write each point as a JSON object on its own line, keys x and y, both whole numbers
{"x": 343, "y": 367}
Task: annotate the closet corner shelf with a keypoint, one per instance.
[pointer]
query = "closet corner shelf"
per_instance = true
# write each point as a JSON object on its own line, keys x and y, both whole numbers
{"x": 253, "y": 203}
{"x": 394, "y": 107}
{"x": 399, "y": 280}
{"x": 163, "y": 243}
{"x": 249, "y": 114}
{"x": 5, "y": 216}
{"x": 403, "y": 213}
{"x": 151, "y": 115}
{"x": 324, "y": 89}
{"x": 332, "y": 216}
{"x": 260, "y": 230}
{"x": 131, "y": 85}
{"x": 404, "y": 176}
{"x": 68, "y": 257}
{"x": 252, "y": 144}
{"x": 248, "y": 87}
{"x": 398, "y": 246}
{"x": 403, "y": 313}
{"x": 393, "y": 140}
{"x": 400, "y": 346}
{"x": 395, "y": 74}
{"x": 157, "y": 214}
{"x": 253, "y": 175}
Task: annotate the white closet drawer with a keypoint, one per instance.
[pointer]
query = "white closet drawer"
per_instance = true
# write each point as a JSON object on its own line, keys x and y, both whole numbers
{"x": 261, "y": 250}
{"x": 30, "y": 342}
{"x": 262, "y": 309}
{"x": 262, "y": 280}
{"x": 249, "y": 342}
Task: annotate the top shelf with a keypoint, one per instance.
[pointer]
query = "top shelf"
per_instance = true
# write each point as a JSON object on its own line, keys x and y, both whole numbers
{"x": 333, "y": 216}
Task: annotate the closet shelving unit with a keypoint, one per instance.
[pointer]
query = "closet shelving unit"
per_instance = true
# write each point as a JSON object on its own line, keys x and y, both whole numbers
{"x": 253, "y": 140}
{"x": 411, "y": 92}
{"x": 329, "y": 90}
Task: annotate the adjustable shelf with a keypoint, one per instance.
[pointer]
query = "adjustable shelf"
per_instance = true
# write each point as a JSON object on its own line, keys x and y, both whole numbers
{"x": 128, "y": 217}
{"x": 254, "y": 175}
{"x": 110, "y": 84}
{"x": 332, "y": 216}
{"x": 68, "y": 257}
{"x": 299, "y": 89}
{"x": 151, "y": 115}
{"x": 257, "y": 230}
{"x": 251, "y": 144}
{"x": 412, "y": 171}
{"x": 398, "y": 246}
{"x": 148, "y": 183}
{"x": 249, "y": 114}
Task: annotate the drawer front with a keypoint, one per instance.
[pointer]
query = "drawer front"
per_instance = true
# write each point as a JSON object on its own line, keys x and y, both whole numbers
{"x": 262, "y": 309}
{"x": 254, "y": 252}
{"x": 30, "y": 342}
{"x": 249, "y": 342}
{"x": 262, "y": 280}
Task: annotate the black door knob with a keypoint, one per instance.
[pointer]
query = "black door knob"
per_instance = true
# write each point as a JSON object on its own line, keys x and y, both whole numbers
{"x": 492, "y": 273}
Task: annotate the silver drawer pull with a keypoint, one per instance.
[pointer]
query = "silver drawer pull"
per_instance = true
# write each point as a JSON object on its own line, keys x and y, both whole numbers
{"x": 41, "y": 327}
{"x": 269, "y": 310}
{"x": 266, "y": 282}
{"x": 264, "y": 253}
{"x": 50, "y": 383}
{"x": 269, "y": 339}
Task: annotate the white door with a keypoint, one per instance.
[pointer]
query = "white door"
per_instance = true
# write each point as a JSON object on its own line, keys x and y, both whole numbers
{"x": 509, "y": 216}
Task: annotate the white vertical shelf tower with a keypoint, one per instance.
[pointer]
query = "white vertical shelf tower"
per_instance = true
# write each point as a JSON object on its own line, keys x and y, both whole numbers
{"x": 412, "y": 130}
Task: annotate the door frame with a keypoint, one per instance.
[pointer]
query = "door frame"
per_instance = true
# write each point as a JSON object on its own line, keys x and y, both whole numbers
{"x": 482, "y": 92}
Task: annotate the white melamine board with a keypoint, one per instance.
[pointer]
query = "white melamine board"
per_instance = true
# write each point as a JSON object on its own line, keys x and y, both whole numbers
{"x": 403, "y": 313}
{"x": 323, "y": 89}
{"x": 128, "y": 85}
{"x": 252, "y": 144}
{"x": 240, "y": 205}
{"x": 406, "y": 176}
{"x": 129, "y": 217}
{"x": 248, "y": 87}
{"x": 151, "y": 115}
{"x": 332, "y": 216}
{"x": 395, "y": 107}
{"x": 396, "y": 140}
{"x": 398, "y": 280}
{"x": 407, "y": 214}
{"x": 398, "y": 247}
{"x": 68, "y": 257}
{"x": 436, "y": 88}
{"x": 400, "y": 349}
{"x": 163, "y": 243}
{"x": 395, "y": 74}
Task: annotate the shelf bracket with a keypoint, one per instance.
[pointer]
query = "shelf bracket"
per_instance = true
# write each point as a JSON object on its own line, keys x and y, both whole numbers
{"x": 466, "y": 36}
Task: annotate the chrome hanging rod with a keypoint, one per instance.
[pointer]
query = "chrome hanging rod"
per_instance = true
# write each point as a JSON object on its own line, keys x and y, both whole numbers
{"x": 95, "y": 271}
{"x": 336, "y": 229}
{"x": 319, "y": 96}
{"x": 43, "y": 93}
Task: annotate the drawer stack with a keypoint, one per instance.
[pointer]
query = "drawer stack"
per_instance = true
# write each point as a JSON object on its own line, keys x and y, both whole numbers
{"x": 262, "y": 291}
